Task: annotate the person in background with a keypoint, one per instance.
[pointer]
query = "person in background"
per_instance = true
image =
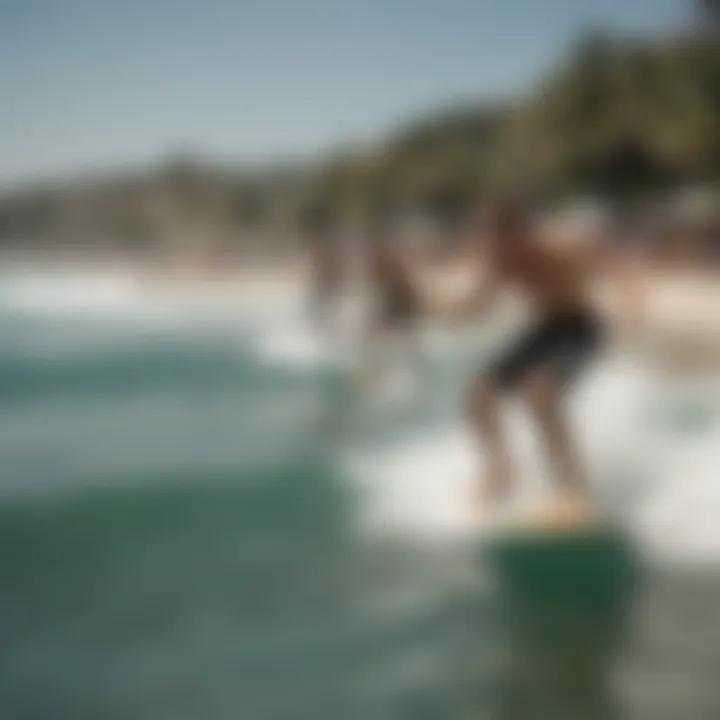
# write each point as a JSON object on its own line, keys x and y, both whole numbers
{"x": 397, "y": 309}
{"x": 328, "y": 274}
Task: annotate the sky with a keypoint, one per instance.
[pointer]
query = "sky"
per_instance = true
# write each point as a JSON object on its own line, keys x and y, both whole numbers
{"x": 94, "y": 83}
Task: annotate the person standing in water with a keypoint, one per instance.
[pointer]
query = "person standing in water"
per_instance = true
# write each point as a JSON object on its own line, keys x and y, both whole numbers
{"x": 328, "y": 275}
{"x": 541, "y": 363}
{"x": 392, "y": 335}
{"x": 338, "y": 267}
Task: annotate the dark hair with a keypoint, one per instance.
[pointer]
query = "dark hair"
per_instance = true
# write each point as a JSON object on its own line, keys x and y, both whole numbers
{"x": 508, "y": 213}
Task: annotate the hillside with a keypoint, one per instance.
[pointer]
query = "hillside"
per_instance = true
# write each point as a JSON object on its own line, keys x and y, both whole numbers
{"x": 625, "y": 118}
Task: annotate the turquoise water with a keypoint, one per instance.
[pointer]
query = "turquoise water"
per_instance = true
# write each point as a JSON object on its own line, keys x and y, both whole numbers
{"x": 179, "y": 538}
{"x": 176, "y": 541}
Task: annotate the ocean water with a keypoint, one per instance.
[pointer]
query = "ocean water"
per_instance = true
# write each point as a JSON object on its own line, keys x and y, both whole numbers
{"x": 203, "y": 517}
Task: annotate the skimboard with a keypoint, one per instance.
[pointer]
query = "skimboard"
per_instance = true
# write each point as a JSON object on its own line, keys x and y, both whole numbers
{"x": 564, "y": 590}
{"x": 540, "y": 555}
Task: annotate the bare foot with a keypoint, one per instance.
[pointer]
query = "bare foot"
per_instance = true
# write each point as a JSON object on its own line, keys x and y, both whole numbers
{"x": 492, "y": 495}
{"x": 570, "y": 511}
{"x": 576, "y": 508}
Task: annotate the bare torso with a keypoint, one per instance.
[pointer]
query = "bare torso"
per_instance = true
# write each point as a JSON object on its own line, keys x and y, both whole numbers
{"x": 553, "y": 280}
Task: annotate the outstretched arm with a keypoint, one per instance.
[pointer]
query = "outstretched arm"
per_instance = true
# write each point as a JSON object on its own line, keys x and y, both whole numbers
{"x": 477, "y": 301}
{"x": 625, "y": 274}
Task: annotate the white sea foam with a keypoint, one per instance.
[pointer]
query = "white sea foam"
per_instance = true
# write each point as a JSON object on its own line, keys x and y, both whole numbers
{"x": 62, "y": 293}
{"x": 292, "y": 339}
{"x": 124, "y": 297}
{"x": 663, "y": 482}
{"x": 296, "y": 346}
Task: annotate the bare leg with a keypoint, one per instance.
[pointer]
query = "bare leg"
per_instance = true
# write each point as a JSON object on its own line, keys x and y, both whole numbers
{"x": 416, "y": 357}
{"x": 544, "y": 397}
{"x": 484, "y": 410}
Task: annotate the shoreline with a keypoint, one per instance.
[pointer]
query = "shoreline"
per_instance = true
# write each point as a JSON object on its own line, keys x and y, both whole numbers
{"x": 675, "y": 327}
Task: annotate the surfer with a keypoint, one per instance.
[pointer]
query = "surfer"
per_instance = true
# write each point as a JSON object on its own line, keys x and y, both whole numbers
{"x": 542, "y": 361}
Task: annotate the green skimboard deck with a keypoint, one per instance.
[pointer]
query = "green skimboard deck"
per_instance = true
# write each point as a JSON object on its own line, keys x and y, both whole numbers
{"x": 595, "y": 565}
{"x": 564, "y": 598}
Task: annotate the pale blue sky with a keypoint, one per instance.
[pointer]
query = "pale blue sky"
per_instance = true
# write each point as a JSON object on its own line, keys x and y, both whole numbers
{"x": 84, "y": 83}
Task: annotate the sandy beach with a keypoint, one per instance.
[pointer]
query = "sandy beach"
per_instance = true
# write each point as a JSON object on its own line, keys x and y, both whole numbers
{"x": 676, "y": 323}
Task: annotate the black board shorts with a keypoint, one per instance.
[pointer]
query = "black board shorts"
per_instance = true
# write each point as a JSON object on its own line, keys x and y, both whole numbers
{"x": 564, "y": 343}
{"x": 398, "y": 309}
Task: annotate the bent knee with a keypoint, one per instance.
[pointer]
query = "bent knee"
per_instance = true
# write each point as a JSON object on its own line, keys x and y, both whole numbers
{"x": 540, "y": 390}
{"x": 482, "y": 398}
